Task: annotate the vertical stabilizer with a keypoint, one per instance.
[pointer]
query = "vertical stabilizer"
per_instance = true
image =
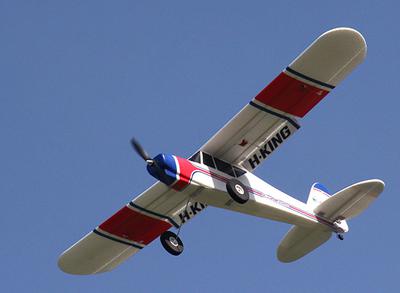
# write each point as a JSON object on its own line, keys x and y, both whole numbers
{"x": 318, "y": 194}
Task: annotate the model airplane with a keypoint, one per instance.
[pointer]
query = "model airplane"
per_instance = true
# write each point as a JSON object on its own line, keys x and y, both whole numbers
{"x": 220, "y": 173}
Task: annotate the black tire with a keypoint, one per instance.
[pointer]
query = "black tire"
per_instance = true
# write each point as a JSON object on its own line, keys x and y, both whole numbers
{"x": 237, "y": 191}
{"x": 172, "y": 243}
{"x": 340, "y": 236}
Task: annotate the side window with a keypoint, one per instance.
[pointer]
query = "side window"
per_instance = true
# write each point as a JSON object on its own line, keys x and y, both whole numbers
{"x": 207, "y": 160}
{"x": 224, "y": 167}
{"x": 238, "y": 172}
{"x": 195, "y": 157}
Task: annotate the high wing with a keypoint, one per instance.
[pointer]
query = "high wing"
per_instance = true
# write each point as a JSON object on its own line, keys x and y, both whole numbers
{"x": 248, "y": 139}
{"x": 272, "y": 116}
{"x": 131, "y": 229}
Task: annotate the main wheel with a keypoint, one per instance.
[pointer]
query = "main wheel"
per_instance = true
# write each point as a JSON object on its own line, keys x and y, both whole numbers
{"x": 340, "y": 236}
{"x": 171, "y": 242}
{"x": 237, "y": 191}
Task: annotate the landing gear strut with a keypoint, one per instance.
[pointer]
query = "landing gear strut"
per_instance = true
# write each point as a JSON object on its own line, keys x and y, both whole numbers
{"x": 172, "y": 243}
{"x": 340, "y": 236}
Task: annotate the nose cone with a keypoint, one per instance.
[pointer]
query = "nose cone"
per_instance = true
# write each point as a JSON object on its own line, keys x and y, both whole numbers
{"x": 165, "y": 169}
{"x": 165, "y": 161}
{"x": 170, "y": 163}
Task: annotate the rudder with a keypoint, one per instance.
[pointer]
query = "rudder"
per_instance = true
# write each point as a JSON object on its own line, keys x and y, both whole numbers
{"x": 318, "y": 194}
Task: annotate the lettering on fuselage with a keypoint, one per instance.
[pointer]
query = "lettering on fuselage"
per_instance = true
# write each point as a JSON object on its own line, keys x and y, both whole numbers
{"x": 191, "y": 210}
{"x": 269, "y": 146}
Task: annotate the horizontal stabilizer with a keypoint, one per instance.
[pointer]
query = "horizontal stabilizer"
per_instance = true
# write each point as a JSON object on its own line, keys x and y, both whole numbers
{"x": 300, "y": 241}
{"x": 350, "y": 201}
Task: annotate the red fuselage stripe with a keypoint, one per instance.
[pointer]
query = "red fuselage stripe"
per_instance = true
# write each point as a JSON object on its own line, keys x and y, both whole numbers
{"x": 187, "y": 170}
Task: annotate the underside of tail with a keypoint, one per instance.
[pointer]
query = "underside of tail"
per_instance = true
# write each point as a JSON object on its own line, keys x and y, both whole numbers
{"x": 345, "y": 204}
{"x": 318, "y": 195}
{"x": 299, "y": 241}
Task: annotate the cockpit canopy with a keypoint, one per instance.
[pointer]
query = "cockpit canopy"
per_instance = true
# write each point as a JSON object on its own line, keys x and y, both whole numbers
{"x": 210, "y": 161}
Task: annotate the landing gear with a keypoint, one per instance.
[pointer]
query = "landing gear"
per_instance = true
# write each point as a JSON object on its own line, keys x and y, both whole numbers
{"x": 340, "y": 236}
{"x": 237, "y": 191}
{"x": 172, "y": 243}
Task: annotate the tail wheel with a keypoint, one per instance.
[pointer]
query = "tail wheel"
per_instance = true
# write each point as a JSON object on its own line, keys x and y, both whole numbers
{"x": 171, "y": 243}
{"x": 237, "y": 191}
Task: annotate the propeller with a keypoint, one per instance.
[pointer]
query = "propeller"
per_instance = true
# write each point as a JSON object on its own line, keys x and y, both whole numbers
{"x": 142, "y": 152}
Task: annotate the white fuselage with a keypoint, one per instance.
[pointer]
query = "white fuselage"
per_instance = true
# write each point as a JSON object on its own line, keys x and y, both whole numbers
{"x": 265, "y": 200}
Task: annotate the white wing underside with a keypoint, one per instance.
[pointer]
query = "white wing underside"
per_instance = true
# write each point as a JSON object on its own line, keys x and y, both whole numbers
{"x": 243, "y": 137}
{"x": 247, "y": 140}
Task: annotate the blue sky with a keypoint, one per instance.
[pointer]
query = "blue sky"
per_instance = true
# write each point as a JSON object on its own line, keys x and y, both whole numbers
{"x": 80, "y": 78}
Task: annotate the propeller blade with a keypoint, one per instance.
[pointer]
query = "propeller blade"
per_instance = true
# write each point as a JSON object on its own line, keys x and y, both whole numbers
{"x": 141, "y": 152}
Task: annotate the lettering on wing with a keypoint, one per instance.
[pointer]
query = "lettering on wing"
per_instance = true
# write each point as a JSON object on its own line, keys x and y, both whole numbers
{"x": 269, "y": 146}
